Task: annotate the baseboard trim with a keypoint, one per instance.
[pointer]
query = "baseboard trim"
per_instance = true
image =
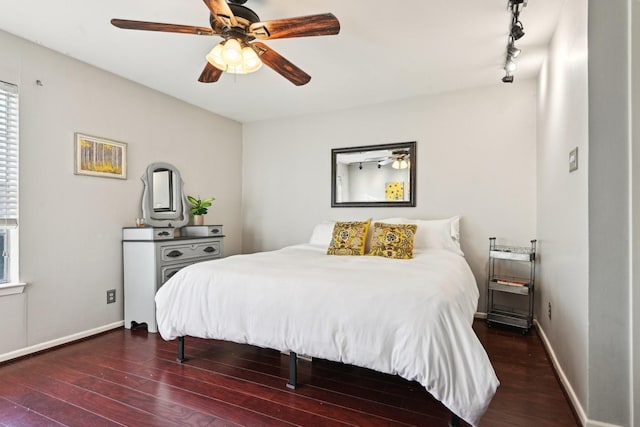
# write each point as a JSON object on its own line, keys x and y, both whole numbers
{"x": 584, "y": 420}
{"x": 59, "y": 341}
{"x": 591, "y": 423}
{"x": 563, "y": 378}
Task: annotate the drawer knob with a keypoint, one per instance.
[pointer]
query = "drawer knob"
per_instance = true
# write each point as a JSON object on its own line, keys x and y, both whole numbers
{"x": 209, "y": 249}
{"x": 174, "y": 254}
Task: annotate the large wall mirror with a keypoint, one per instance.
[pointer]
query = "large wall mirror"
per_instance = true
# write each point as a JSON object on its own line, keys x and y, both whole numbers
{"x": 163, "y": 201}
{"x": 374, "y": 175}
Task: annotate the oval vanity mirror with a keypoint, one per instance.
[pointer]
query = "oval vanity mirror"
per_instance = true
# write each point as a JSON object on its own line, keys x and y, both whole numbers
{"x": 163, "y": 201}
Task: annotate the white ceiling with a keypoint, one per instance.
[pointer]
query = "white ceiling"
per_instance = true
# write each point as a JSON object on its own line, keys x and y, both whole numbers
{"x": 385, "y": 50}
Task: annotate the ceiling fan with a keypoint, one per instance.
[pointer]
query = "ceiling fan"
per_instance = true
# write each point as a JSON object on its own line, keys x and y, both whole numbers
{"x": 398, "y": 158}
{"x": 239, "y": 26}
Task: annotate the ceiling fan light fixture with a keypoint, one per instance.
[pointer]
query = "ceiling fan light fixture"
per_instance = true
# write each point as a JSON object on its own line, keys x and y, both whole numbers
{"x": 249, "y": 59}
{"x": 215, "y": 58}
{"x": 232, "y": 52}
{"x": 400, "y": 163}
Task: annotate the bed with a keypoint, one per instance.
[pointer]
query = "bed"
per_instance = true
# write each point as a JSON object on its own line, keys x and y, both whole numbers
{"x": 408, "y": 317}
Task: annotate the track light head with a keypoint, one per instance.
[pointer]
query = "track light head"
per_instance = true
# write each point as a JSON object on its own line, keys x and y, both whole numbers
{"x": 508, "y": 78}
{"x": 513, "y": 51}
{"x": 517, "y": 31}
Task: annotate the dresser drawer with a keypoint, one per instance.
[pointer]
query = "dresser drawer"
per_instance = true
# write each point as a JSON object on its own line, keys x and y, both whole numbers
{"x": 148, "y": 233}
{"x": 201, "y": 230}
{"x": 190, "y": 251}
{"x": 168, "y": 271}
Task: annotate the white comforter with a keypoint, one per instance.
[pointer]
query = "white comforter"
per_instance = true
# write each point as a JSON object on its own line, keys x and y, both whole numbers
{"x": 406, "y": 317}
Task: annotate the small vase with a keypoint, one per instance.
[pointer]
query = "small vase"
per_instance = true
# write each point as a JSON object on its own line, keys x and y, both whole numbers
{"x": 198, "y": 220}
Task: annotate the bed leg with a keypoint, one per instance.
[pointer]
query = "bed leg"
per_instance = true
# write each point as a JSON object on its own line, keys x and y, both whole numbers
{"x": 293, "y": 370}
{"x": 181, "y": 357}
{"x": 455, "y": 421}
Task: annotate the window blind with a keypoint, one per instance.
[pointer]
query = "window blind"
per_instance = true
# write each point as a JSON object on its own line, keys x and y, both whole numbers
{"x": 8, "y": 154}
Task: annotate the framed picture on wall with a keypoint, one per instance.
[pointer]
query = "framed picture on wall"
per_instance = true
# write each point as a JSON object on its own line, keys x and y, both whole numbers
{"x": 100, "y": 157}
{"x": 394, "y": 191}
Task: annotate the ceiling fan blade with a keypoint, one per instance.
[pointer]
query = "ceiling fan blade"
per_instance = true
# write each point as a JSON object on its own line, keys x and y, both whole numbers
{"x": 210, "y": 74}
{"x": 280, "y": 65}
{"x": 304, "y": 26}
{"x": 221, "y": 10}
{"x": 157, "y": 26}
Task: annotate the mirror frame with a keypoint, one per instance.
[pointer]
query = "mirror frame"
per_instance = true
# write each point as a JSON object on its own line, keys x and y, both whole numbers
{"x": 177, "y": 218}
{"x": 411, "y": 146}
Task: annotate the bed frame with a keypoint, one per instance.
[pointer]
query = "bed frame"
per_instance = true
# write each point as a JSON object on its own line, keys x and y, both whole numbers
{"x": 293, "y": 376}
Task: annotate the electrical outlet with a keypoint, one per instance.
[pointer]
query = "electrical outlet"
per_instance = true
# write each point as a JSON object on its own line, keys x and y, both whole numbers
{"x": 111, "y": 296}
{"x": 549, "y": 310}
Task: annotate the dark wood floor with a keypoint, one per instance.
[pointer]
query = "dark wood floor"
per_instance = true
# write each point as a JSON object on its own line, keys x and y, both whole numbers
{"x": 132, "y": 378}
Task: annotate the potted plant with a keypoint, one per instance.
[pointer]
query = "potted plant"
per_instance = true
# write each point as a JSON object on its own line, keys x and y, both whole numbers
{"x": 199, "y": 208}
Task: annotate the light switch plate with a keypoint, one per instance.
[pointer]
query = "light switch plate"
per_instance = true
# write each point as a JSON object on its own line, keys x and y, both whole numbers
{"x": 573, "y": 160}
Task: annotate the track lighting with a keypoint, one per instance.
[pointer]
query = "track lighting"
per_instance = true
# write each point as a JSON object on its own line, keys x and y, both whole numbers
{"x": 513, "y": 51}
{"x": 516, "y": 32}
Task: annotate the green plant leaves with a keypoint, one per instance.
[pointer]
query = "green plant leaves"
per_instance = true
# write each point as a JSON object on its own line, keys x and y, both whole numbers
{"x": 199, "y": 206}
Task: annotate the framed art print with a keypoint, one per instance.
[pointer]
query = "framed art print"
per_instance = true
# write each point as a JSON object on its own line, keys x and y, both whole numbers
{"x": 100, "y": 157}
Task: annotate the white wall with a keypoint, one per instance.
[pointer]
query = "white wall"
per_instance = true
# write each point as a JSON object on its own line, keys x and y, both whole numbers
{"x": 475, "y": 155}
{"x": 635, "y": 219}
{"x": 562, "y": 199}
{"x": 70, "y": 226}
{"x": 609, "y": 232}
{"x": 584, "y": 217}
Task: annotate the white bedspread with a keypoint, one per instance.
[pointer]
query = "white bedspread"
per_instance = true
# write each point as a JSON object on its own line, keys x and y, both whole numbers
{"x": 406, "y": 317}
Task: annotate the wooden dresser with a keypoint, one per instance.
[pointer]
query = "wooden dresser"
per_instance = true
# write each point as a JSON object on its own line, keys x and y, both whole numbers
{"x": 151, "y": 256}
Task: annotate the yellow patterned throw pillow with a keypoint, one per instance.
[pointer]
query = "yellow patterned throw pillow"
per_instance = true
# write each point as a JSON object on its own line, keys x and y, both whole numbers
{"x": 349, "y": 238}
{"x": 393, "y": 240}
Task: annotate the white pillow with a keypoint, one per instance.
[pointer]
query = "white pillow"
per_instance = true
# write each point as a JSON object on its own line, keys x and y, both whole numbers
{"x": 433, "y": 234}
{"x": 322, "y": 233}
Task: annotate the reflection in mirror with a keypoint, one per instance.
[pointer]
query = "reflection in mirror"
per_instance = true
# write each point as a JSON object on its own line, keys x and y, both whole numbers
{"x": 162, "y": 195}
{"x": 374, "y": 175}
{"x": 163, "y": 201}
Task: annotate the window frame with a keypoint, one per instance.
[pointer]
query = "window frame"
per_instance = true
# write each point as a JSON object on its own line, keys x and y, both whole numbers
{"x": 9, "y": 187}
